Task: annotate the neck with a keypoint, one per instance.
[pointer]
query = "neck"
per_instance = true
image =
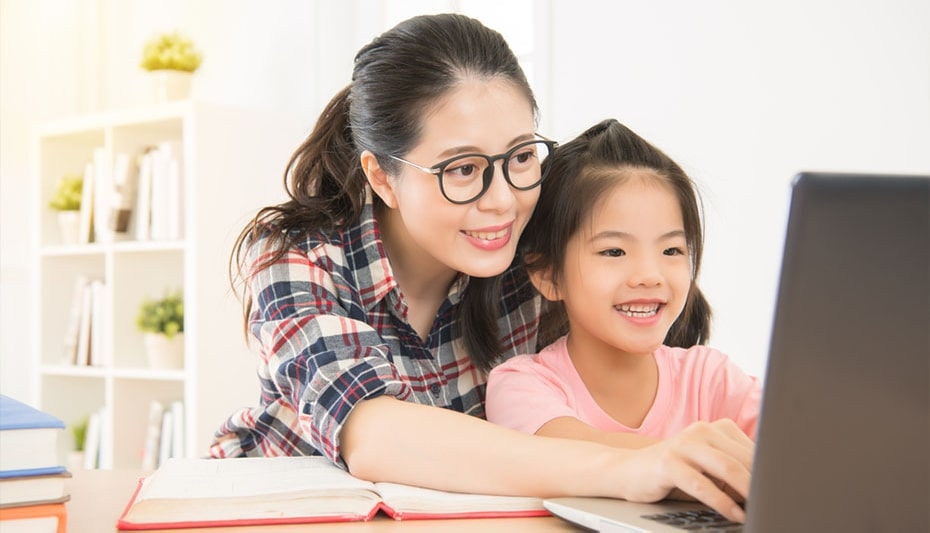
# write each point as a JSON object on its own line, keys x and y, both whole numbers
{"x": 420, "y": 276}
{"x": 601, "y": 364}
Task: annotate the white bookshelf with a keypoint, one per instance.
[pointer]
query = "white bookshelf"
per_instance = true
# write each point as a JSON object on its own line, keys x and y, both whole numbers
{"x": 231, "y": 163}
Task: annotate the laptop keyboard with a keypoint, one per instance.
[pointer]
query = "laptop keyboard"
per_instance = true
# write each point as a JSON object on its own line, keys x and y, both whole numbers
{"x": 696, "y": 521}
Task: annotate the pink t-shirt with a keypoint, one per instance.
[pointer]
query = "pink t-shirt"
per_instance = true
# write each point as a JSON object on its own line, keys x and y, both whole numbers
{"x": 695, "y": 384}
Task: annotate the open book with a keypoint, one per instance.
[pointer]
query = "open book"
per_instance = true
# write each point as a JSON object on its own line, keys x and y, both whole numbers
{"x": 282, "y": 490}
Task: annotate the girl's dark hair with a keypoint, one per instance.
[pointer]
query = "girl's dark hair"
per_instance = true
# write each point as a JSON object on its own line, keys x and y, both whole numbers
{"x": 395, "y": 80}
{"x": 580, "y": 173}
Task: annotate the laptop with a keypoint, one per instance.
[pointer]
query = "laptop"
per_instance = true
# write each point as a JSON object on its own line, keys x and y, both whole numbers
{"x": 844, "y": 431}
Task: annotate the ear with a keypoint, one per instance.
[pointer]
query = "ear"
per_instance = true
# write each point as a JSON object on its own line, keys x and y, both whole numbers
{"x": 542, "y": 280}
{"x": 378, "y": 179}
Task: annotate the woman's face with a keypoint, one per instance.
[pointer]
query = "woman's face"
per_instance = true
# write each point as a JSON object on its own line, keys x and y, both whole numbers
{"x": 478, "y": 238}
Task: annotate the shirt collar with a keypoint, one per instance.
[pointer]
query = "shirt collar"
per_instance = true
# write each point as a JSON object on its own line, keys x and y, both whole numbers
{"x": 383, "y": 280}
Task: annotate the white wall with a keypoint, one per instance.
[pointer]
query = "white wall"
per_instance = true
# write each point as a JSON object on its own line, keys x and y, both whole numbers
{"x": 742, "y": 94}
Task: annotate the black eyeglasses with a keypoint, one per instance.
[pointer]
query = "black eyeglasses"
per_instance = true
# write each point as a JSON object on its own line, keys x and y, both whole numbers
{"x": 459, "y": 176}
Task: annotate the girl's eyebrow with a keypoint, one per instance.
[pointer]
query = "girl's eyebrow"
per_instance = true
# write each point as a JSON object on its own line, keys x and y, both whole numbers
{"x": 616, "y": 234}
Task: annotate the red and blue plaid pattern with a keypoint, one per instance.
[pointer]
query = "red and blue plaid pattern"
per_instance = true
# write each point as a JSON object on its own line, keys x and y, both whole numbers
{"x": 329, "y": 321}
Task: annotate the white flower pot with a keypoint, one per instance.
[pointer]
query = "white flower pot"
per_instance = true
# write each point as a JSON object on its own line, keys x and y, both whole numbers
{"x": 164, "y": 353}
{"x": 171, "y": 85}
{"x": 69, "y": 225}
{"x": 75, "y": 460}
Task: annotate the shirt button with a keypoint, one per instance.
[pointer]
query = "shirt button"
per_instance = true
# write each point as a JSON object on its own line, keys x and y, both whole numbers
{"x": 435, "y": 389}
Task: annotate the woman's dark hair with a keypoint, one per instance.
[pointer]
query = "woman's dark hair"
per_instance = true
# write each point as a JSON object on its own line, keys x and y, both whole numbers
{"x": 581, "y": 172}
{"x": 395, "y": 80}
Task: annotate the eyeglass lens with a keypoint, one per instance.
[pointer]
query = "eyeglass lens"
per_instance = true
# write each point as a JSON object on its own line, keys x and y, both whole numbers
{"x": 464, "y": 178}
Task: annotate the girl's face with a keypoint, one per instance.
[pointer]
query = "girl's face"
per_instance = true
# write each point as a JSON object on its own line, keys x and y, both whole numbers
{"x": 478, "y": 238}
{"x": 627, "y": 275}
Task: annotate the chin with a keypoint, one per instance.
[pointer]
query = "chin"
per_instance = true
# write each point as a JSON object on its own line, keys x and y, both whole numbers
{"x": 487, "y": 269}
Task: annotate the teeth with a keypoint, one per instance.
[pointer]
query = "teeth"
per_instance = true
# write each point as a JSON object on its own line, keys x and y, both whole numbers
{"x": 638, "y": 310}
{"x": 487, "y": 236}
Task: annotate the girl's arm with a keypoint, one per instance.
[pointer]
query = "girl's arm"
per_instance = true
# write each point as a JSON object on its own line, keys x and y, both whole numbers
{"x": 385, "y": 439}
{"x": 571, "y": 428}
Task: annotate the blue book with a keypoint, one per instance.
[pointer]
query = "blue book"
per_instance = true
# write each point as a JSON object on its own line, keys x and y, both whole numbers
{"x": 28, "y": 440}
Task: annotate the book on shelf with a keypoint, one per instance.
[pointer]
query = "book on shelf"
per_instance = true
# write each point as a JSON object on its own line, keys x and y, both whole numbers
{"x": 73, "y": 329}
{"x": 86, "y": 225}
{"x": 103, "y": 192}
{"x": 98, "y": 322}
{"x": 82, "y": 351}
{"x": 177, "y": 428}
{"x": 188, "y": 492}
{"x": 92, "y": 439}
{"x": 142, "y": 225}
{"x": 164, "y": 437}
{"x": 28, "y": 440}
{"x": 48, "y": 518}
{"x": 20, "y": 491}
{"x": 164, "y": 434}
{"x": 165, "y": 196}
{"x": 150, "y": 450}
{"x": 122, "y": 195}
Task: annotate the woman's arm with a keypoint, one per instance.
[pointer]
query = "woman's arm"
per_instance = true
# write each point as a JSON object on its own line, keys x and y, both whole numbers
{"x": 385, "y": 439}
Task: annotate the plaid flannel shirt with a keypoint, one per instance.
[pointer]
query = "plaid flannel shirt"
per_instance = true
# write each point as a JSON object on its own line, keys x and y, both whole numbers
{"x": 330, "y": 323}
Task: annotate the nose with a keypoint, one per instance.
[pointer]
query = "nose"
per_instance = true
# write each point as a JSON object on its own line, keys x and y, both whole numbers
{"x": 644, "y": 272}
{"x": 499, "y": 196}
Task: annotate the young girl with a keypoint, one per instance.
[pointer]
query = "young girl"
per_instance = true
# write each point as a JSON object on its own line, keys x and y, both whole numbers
{"x": 616, "y": 250}
{"x": 381, "y": 293}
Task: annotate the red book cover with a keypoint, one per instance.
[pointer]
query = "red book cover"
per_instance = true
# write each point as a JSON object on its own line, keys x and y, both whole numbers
{"x": 192, "y": 493}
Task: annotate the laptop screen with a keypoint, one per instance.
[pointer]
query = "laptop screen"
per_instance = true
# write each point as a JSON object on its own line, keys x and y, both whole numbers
{"x": 845, "y": 434}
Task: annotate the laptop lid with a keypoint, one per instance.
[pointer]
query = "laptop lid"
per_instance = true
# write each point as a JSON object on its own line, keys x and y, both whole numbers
{"x": 844, "y": 433}
{"x": 844, "y": 438}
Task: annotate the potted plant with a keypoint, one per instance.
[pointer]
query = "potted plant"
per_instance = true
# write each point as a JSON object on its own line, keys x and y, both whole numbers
{"x": 79, "y": 432}
{"x": 66, "y": 199}
{"x": 172, "y": 59}
{"x": 161, "y": 320}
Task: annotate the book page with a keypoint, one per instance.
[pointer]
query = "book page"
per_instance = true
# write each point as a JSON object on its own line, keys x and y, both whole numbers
{"x": 183, "y": 478}
{"x": 409, "y": 500}
{"x": 255, "y": 490}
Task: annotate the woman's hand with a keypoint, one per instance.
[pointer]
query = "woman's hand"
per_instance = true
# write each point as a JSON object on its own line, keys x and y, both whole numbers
{"x": 709, "y": 462}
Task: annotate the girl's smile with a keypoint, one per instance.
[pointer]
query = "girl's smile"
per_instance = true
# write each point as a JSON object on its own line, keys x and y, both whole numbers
{"x": 641, "y": 313}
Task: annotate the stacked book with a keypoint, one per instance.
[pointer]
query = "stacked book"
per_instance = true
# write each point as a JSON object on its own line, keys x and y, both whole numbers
{"x": 33, "y": 488}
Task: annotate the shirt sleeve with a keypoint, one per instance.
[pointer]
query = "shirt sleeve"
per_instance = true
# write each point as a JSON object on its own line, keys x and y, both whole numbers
{"x": 318, "y": 358}
{"x": 524, "y": 394}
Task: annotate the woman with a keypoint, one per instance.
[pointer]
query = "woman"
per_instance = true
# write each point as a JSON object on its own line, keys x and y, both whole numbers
{"x": 388, "y": 285}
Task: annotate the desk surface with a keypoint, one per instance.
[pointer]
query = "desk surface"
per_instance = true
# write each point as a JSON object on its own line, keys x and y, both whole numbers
{"x": 99, "y": 496}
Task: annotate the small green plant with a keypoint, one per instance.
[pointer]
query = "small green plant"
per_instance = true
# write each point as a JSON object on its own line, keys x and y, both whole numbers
{"x": 164, "y": 315}
{"x": 79, "y": 431}
{"x": 170, "y": 51}
{"x": 67, "y": 195}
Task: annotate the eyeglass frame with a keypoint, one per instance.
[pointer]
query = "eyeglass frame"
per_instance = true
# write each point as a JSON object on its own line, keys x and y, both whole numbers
{"x": 487, "y": 175}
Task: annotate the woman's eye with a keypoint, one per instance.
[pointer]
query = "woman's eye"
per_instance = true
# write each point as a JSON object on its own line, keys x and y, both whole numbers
{"x": 673, "y": 251}
{"x": 522, "y": 157}
{"x": 462, "y": 171}
{"x": 613, "y": 252}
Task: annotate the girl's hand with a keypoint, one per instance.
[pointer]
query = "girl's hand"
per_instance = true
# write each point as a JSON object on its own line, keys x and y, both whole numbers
{"x": 710, "y": 462}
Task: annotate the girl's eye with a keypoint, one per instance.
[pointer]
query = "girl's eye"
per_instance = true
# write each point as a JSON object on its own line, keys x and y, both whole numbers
{"x": 613, "y": 252}
{"x": 673, "y": 251}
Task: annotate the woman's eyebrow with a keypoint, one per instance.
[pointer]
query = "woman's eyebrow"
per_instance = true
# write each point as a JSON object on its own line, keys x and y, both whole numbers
{"x": 475, "y": 150}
